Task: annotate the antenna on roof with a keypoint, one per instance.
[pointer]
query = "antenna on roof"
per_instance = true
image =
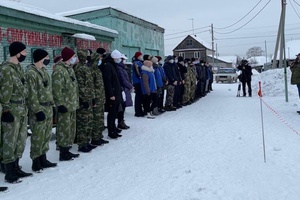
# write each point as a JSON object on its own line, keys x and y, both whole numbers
{"x": 193, "y": 26}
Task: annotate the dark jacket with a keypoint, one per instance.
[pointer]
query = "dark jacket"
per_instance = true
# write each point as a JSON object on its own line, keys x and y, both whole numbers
{"x": 111, "y": 81}
{"x": 246, "y": 72}
{"x": 183, "y": 70}
{"x": 295, "y": 68}
{"x": 125, "y": 83}
{"x": 169, "y": 69}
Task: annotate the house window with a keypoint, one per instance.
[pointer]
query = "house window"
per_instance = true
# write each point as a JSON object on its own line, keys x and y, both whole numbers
{"x": 196, "y": 54}
{"x": 189, "y": 42}
{"x": 182, "y": 54}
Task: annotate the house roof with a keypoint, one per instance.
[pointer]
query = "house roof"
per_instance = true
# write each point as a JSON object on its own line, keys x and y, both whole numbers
{"x": 97, "y": 8}
{"x": 46, "y": 14}
{"x": 226, "y": 59}
{"x": 203, "y": 42}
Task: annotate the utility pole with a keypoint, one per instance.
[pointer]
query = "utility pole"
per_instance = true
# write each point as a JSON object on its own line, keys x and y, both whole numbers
{"x": 281, "y": 42}
{"x": 213, "y": 44}
{"x": 193, "y": 25}
{"x": 266, "y": 53}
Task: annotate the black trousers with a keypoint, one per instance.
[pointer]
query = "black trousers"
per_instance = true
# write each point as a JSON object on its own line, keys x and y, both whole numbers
{"x": 150, "y": 102}
{"x": 160, "y": 98}
{"x": 177, "y": 93}
{"x": 121, "y": 113}
{"x": 111, "y": 117}
{"x": 249, "y": 87}
{"x": 138, "y": 100}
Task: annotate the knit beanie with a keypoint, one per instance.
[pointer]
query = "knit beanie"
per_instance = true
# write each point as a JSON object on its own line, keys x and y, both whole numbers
{"x": 137, "y": 54}
{"x": 147, "y": 63}
{"x": 57, "y": 58}
{"x": 39, "y": 54}
{"x": 67, "y": 53}
{"x": 180, "y": 59}
{"x": 101, "y": 51}
{"x": 15, "y": 48}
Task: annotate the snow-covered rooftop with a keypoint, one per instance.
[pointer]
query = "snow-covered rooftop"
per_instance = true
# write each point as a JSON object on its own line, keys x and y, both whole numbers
{"x": 44, "y": 13}
{"x": 258, "y": 60}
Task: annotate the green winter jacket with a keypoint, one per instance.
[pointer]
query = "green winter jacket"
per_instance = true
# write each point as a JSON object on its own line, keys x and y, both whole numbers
{"x": 13, "y": 89}
{"x": 40, "y": 91}
{"x": 65, "y": 87}
{"x": 295, "y": 78}
{"x": 97, "y": 78}
{"x": 84, "y": 78}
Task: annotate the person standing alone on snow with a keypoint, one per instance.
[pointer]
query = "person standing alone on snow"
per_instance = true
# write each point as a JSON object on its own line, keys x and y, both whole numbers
{"x": 295, "y": 78}
{"x": 245, "y": 77}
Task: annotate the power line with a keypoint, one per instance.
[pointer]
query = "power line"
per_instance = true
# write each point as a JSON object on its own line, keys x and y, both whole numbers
{"x": 296, "y": 2}
{"x": 294, "y": 9}
{"x": 251, "y": 37}
{"x": 242, "y": 17}
{"x": 185, "y": 35}
{"x": 187, "y": 31}
{"x": 246, "y": 22}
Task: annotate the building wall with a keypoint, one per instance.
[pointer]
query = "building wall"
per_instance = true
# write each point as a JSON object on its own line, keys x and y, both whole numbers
{"x": 38, "y": 35}
{"x": 134, "y": 34}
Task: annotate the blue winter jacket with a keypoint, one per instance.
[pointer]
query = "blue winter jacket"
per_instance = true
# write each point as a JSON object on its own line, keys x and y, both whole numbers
{"x": 148, "y": 83}
{"x": 158, "y": 76}
{"x": 135, "y": 76}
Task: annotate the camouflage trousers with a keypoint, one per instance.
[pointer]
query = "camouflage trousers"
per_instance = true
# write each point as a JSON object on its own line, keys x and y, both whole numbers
{"x": 41, "y": 135}
{"x": 193, "y": 91}
{"x": 98, "y": 119}
{"x": 84, "y": 125}
{"x": 186, "y": 92}
{"x": 66, "y": 128}
{"x": 14, "y": 136}
{"x": 170, "y": 95}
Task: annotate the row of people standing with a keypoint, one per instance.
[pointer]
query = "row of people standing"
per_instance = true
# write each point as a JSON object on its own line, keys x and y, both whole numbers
{"x": 185, "y": 81}
{"x": 76, "y": 91}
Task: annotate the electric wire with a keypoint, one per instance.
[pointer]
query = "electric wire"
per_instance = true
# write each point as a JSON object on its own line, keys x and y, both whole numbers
{"x": 187, "y": 31}
{"x": 241, "y": 18}
{"x": 246, "y": 22}
{"x": 296, "y": 2}
{"x": 185, "y": 35}
{"x": 294, "y": 9}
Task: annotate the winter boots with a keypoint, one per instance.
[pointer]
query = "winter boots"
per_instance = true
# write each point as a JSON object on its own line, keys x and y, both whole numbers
{"x": 122, "y": 125}
{"x": 46, "y": 163}
{"x": 65, "y": 155}
{"x": 19, "y": 172}
{"x": 114, "y": 135}
{"x": 10, "y": 175}
{"x": 36, "y": 165}
{"x": 2, "y": 189}
{"x": 99, "y": 142}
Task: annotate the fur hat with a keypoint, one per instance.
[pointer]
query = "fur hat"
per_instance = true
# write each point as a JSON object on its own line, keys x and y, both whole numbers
{"x": 67, "y": 53}
{"x": 15, "y": 48}
{"x": 39, "y": 54}
{"x": 148, "y": 63}
{"x": 137, "y": 54}
{"x": 154, "y": 59}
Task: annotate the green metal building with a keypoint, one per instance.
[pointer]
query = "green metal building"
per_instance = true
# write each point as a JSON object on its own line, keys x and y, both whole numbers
{"x": 135, "y": 34}
{"x": 40, "y": 29}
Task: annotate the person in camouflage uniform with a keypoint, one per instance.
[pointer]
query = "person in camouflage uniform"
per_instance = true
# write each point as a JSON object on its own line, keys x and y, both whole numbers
{"x": 65, "y": 95}
{"x": 13, "y": 95}
{"x": 99, "y": 99}
{"x": 187, "y": 84}
{"x": 84, "y": 115}
{"x": 2, "y": 188}
{"x": 193, "y": 82}
{"x": 40, "y": 102}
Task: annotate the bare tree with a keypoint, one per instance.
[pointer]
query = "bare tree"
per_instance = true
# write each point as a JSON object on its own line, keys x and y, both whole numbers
{"x": 254, "y": 51}
{"x": 15, "y": 0}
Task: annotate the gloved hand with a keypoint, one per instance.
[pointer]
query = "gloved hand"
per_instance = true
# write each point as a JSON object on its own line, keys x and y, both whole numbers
{"x": 62, "y": 109}
{"x": 40, "y": 116}
{"x": 85, "y": 104}
{"x": 7, "y": 117}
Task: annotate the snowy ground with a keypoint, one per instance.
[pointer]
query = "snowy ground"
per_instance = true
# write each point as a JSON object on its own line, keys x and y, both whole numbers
{"x": 209, "y": 150}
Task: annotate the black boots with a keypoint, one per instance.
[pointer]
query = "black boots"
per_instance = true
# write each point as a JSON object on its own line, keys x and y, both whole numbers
{"x": 46, "y": 163}
{"x": 99, "y": 142}
{"x": 19, "y": 172}
{"x": 2, "y": 189}
{"x": 114, "y": 135}
{"x": 10, "y": 175}
{"x": 122, "y": 125}
{"x": 65, "y": 155}
{"x": 36, "y": 165}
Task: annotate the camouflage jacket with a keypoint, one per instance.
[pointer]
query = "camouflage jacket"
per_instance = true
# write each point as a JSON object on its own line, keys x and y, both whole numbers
{"x": 13, "y": 89}
{"x": 84, "y": 77}
{"x": 97, "y": 77}
{"x": 192, "y": 75}
{"x": 65, "y": 87}
{"x": 40, "y": 90}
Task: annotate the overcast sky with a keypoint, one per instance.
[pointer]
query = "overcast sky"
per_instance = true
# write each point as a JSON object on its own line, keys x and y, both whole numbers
{"x": 176, "y": 18}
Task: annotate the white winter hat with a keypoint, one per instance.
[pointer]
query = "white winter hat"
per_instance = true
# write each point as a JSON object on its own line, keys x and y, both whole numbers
{"x": 124, "y": 57}
{"x": 116, "y": 54}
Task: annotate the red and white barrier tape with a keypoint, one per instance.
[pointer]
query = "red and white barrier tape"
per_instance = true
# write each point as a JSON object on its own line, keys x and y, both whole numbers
{"x": 281, "y": 118}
